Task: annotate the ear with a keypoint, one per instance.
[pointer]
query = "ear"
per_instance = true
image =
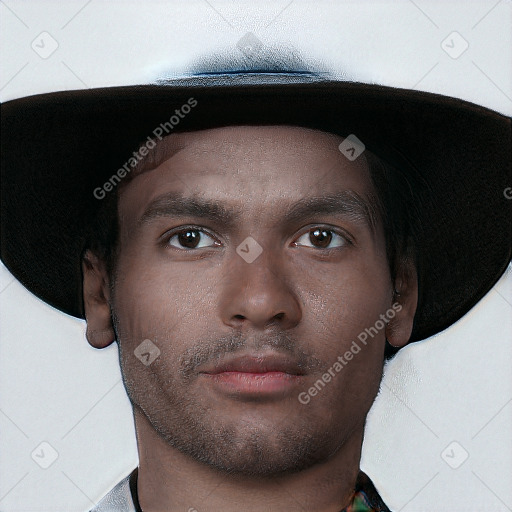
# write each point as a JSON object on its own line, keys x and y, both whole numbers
{"x": 96, "y": 291}
{"x": 405, "y": 302}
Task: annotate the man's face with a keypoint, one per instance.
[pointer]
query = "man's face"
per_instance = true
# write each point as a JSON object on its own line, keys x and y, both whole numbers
{"x": 242, "y": 336}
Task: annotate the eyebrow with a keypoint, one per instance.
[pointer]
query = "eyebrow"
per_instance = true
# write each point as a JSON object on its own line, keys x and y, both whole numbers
{"x": 346, "y": 203}
{"x": 175, "y": 205}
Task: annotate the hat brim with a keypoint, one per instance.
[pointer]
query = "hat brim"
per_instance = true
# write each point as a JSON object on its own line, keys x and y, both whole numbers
{"x": 56, "y": 149}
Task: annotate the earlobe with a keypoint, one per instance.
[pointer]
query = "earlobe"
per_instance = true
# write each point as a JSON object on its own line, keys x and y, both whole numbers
{"x": 96, "y": 294}
{"x": 405, "y": 302}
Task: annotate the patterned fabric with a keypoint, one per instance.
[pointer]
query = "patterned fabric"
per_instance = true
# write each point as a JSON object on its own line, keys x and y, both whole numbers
{"x": 124, "y": 497}
{"x": 365, "y": 498}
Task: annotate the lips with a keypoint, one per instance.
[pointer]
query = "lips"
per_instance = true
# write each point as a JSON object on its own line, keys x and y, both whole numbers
{"x": 255, "y": 377}
{"x": 256, "y": 364}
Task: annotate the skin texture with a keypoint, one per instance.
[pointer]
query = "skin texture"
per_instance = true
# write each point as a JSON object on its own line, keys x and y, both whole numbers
{"x": 201, "y": 446}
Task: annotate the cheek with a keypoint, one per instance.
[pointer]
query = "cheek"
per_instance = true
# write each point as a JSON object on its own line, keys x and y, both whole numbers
{"x": 347, "y": 297}
{"x": 343, "y": 305}
{"x": 156, "y": 300}
{"x": 342, "y": 321}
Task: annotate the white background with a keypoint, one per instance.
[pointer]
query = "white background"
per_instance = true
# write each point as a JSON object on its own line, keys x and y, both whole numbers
{"x": 455, "y": 387}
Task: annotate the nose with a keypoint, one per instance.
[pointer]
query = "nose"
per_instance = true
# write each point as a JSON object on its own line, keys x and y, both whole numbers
{"x": 259, "y": 295}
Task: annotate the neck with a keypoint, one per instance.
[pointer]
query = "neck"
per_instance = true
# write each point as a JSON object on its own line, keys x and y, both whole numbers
{"x": 170, "y": 481}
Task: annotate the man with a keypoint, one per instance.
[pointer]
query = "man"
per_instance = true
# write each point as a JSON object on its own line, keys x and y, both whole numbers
{"x": 252, "y": 262}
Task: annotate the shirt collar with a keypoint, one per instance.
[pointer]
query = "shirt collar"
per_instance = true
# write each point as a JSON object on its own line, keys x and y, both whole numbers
{"x": 365, "y": 497}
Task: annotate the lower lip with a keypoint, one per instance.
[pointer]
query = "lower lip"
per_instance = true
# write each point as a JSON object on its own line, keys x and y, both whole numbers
{"x": 256, "y": 384}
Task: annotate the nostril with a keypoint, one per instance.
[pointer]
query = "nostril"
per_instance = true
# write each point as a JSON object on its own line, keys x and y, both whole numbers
{"x": 240, "y": 317}
{"x": 279, "y": 316}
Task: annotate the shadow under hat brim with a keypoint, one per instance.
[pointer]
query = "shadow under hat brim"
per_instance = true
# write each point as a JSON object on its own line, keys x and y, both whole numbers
{"x": 57, "y": 148}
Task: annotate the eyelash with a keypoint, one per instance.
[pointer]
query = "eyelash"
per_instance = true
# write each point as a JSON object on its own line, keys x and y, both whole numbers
{"x": 168, "y": 236}
{"x": 347, "y": 239}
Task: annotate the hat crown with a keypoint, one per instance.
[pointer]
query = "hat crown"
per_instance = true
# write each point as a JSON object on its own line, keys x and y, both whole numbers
{"x": 267, "y": 65}
{"x": 244, "y": 77}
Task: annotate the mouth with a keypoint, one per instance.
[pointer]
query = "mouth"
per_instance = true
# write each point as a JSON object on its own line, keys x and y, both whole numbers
{"x": 255, "y": 376}
{"x": 257, "y": 364}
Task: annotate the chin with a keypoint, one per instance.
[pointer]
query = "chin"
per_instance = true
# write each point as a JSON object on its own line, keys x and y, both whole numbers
{"x": 255, "y": 453}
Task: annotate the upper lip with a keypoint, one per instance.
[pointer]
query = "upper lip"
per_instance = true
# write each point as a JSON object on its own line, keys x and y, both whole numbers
{"x": 256, "y": 364}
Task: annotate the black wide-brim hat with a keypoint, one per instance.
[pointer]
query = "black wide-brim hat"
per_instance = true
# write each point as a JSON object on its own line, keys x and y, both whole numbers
{"x": 57, "y": 148}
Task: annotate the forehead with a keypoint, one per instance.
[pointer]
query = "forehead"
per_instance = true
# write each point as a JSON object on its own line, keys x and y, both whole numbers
{"x": 259, "y": 167}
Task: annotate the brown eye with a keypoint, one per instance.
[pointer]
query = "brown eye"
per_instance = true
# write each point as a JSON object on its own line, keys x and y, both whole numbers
{"x": 321, "y": 238}
{"x": 191, "y": 239}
